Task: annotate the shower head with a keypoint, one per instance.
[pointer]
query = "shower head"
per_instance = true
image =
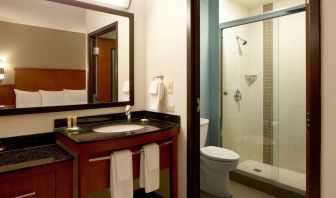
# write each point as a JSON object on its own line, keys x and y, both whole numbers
{"x": 242, "y": 40}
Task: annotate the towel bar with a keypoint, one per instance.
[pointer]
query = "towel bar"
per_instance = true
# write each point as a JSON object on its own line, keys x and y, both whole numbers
{"x": 159, "y": 76}
{"x": 134, "y": 153}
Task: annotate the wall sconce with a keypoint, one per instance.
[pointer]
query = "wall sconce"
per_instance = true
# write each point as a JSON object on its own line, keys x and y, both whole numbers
{"x": 2, "y": 70}
{"x": 125, "y": 4}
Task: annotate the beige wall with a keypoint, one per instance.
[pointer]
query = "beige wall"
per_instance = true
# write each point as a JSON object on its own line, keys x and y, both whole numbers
{"x": 166, "y": 46}
{"x": 328, "y": 98}
{"x": 37, "y": 47}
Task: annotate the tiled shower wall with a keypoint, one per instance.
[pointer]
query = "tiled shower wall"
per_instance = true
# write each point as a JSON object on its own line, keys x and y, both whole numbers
{"x": 268, "y": 87}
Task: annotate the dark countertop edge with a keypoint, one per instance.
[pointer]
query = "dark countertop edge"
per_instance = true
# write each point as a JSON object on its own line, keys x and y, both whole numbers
{"x": 35, "y": 166}
{"x": 116, "y": 138}
{"x": 59, "y": 123}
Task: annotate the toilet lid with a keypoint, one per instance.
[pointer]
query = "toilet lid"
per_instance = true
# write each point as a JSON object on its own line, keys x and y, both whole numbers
{"x": 219, "y": 154}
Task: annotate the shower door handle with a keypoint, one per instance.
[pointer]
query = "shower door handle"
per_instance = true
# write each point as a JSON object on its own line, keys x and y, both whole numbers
{"x": 238, "y": 96}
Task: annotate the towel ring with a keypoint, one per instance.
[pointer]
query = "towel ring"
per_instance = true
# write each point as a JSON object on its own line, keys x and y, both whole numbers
{"x": 159, "y": 76}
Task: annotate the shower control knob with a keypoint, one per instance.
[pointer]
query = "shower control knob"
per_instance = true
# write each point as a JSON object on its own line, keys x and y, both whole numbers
{"x": 238, "y": 96}
{"x": 225, "y": 93}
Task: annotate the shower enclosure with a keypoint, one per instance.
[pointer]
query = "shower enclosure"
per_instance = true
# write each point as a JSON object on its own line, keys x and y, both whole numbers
{"x": 264, "y": 94}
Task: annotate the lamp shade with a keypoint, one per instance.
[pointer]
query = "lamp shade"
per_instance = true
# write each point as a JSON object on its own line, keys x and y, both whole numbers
{"x": 2, "y": 69}
{"x": 2, "y": 73}
{"x": 2, "y": 64}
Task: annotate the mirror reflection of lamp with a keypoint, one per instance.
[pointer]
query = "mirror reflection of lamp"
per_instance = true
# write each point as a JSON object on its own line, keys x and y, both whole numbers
{"x": 2, "y": 70}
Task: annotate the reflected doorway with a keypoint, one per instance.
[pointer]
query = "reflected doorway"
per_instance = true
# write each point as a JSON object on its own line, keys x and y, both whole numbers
{"x": 103, "y": 55}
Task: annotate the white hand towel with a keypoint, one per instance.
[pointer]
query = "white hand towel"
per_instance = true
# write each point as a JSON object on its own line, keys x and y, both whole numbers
{"x": 155, "y": 99}
{"x": 150, "y": 168}
{"x": 125, "y": 97}
{"x": 125, "y": 90}
{"x": 154, "y": 86}
{"x": 121, "y": 178}
{"x": 126, "y": 87}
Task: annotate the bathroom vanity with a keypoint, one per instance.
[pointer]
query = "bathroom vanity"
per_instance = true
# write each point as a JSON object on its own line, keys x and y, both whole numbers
{"x": 92, "y": 150}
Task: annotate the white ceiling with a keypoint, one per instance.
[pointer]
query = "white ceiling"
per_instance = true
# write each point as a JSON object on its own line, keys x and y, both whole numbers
{"x": 253, "y": 3}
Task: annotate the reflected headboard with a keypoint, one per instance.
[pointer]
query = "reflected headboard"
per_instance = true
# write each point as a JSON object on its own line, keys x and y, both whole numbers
{"x": 34, "y": 79}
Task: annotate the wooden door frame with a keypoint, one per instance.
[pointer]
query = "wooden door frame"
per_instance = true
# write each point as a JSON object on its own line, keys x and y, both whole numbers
{"x": 193, "y": 97}
{"x": 92, "y": 65}
{"x": 313, "y": 99}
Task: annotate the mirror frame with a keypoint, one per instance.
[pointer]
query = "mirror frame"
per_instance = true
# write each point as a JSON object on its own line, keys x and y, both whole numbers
{"x": 33, "y": 110}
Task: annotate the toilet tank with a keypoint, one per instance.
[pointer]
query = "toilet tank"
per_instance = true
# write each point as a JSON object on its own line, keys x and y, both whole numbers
{"x": 204, "y": 123}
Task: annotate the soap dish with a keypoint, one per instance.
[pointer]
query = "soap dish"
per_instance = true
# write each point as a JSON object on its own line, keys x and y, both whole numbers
{"x": 144, "y": 120}
{"x": 73, "y": 129}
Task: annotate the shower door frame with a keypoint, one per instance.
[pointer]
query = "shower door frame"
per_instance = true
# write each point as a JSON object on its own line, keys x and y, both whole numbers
{"x": 313, "y": 99}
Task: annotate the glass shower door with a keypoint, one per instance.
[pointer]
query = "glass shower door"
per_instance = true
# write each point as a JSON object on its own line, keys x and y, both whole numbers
{"x": 264, "y": 98}
{"x": 249, "y": 101}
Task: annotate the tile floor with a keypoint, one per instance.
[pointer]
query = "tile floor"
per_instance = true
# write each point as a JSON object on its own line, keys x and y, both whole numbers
{"x": 241, "y": 191}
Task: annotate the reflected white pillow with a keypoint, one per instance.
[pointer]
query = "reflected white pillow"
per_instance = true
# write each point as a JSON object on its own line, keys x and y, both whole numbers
{"x": 74, "y": 97}
{"x": 52, "y": 98}
{"x": 25, "y": 99}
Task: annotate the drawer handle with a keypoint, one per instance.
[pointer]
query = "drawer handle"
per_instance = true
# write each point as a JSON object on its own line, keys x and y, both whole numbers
{"x": 26, "y": 195}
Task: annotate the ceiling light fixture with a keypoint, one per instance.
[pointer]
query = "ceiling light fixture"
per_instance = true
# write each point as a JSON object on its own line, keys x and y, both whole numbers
{"x": 125, "y": 4}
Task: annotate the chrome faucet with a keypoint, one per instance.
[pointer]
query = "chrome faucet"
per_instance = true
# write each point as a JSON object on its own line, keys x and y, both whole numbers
{"x": 128, "y": 112}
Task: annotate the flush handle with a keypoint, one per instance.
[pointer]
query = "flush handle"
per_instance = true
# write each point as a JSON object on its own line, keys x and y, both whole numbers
{"x": 238, "y": 96}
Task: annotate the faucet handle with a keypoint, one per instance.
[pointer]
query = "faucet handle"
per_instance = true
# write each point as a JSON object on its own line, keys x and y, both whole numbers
{"x": 128, "y": 107}
{"x": 128, "y": 112}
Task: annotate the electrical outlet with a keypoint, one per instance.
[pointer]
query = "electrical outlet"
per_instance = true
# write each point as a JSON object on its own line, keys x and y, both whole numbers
{"x": 170, "y": 108}
{"x": 170, "y": 87}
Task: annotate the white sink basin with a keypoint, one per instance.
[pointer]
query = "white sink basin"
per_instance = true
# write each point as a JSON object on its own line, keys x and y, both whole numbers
{"x": 118, "y": 128}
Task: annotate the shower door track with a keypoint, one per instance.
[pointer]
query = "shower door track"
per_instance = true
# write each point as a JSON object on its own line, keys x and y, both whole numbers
{"x": 265, "y": 16}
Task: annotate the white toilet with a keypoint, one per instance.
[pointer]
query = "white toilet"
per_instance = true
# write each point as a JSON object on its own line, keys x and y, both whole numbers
{"x": 216, "y": 163}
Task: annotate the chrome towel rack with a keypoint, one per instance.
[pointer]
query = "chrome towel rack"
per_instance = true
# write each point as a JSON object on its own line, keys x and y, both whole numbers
{"x": 134, "y": 153}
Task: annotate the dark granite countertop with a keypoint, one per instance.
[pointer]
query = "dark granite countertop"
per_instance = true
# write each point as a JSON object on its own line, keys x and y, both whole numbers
{"x": 18, "y": 159}
{"x": 156, "y": 122}
{"x": 85, "y": 133}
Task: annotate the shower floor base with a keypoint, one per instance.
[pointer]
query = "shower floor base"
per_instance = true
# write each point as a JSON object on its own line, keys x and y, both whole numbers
{"x": 287, "y": 177}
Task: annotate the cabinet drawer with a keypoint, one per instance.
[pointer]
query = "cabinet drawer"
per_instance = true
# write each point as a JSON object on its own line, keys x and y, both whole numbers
{"x": 39, "y": 186}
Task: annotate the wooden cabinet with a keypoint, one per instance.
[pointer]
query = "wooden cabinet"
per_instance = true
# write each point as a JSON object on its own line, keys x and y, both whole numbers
{"x": 50, "y": 181}
{"x": 34, "y": 186}
{"x": 93, "y": 175}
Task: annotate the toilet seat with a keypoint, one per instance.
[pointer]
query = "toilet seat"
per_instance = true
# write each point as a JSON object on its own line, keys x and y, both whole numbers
{"x": 219, "y": 154}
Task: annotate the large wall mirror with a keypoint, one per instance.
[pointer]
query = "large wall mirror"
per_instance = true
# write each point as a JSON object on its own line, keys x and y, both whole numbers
{"x": 56, "y": 57}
